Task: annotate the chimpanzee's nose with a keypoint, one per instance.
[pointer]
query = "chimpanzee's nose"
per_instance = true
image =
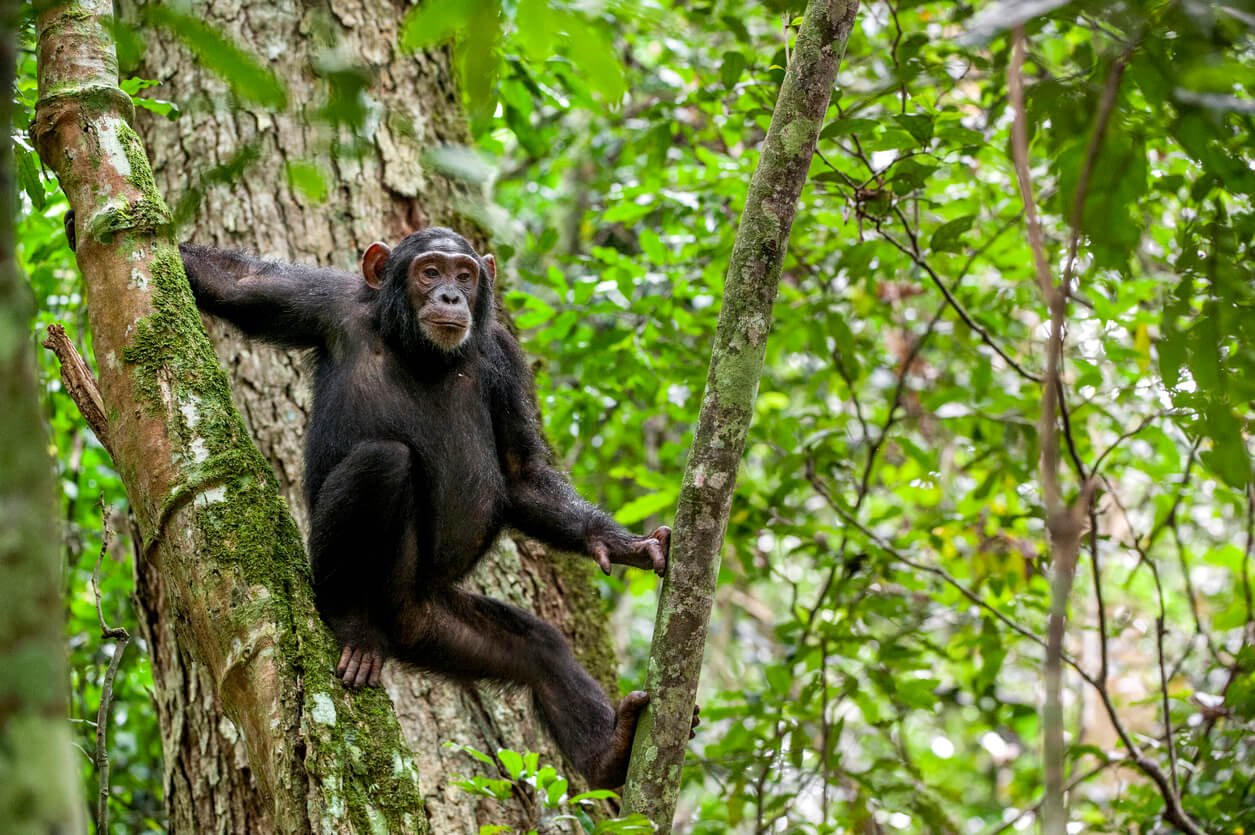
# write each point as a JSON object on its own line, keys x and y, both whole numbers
{"x": 448, "y": 295}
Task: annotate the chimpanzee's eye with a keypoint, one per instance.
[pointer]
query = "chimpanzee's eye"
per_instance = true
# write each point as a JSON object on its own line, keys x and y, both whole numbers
{"x": 431, "y": 272}
{"x": 464, "y": 276}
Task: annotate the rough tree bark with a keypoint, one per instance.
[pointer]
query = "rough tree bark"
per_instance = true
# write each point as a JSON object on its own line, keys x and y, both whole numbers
{"x": 728, "y": 404}
{"x": 382, "y": 194}
{"x": 233, "y": 585}
{"x": 39, "y": 789}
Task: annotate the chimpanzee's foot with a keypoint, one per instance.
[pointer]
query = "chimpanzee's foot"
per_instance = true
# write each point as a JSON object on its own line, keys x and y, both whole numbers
{"x": 611, "y": 772}
{"x": 360, "y": 666}
{"x": 362, "y": 646}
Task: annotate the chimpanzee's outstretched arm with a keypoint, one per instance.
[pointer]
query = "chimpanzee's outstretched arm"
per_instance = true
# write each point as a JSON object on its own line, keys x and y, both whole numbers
{"x": 542, "y": 503}
{"x": 288, "y": 304}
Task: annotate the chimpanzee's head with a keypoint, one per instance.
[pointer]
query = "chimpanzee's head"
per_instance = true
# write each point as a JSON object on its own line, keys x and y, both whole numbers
{"x": 434, "y": 291}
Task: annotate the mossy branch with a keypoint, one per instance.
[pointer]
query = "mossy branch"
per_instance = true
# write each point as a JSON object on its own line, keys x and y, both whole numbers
{"x": 206, "y": 501}
{"x": 727, "y": 406}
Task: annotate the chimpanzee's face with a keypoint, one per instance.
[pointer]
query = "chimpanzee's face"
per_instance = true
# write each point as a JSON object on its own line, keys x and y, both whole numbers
{"x": 432, "y": 292}
{"x": 442, "y": 287}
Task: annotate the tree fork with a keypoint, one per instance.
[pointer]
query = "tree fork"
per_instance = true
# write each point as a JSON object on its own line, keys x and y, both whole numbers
{"x": 736, "y": 363}
{"x": 206, "y": 502}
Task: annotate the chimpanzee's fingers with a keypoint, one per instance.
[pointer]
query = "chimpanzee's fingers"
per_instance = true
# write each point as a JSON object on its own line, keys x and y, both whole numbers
{"x": 660, "y": 552}
{"x": 654, "y": 550}
{"x": 602, "y": 555}
{"x": 663, "y": 535}
{"x": 376, "y": 671}
{"x": 70, "y": 237}
{"x": 345, "y": 654}
{"x": 350, "y": 672}
{"x": 363, "y": 672}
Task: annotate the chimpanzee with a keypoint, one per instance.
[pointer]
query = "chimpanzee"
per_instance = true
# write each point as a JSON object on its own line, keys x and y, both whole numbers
{"x": 423, "y": 444}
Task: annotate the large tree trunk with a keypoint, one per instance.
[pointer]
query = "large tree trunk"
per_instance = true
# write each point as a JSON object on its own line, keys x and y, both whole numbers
{"x": 383, "y": 194}
{"x": 221, "y": 555}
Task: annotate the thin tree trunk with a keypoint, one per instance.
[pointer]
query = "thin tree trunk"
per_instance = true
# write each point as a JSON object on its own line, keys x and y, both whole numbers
{"x": 381, "y": 194}
{"x": 233, "y": 583}
{"x": 727, "y": 406}
{"x": 39, "y": 790}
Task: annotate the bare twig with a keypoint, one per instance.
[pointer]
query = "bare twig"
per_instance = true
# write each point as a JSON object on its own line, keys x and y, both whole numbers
{"x": 79, "y": 383}
{"x": 123, "y": 638}
{"x": 1246, "y": 557}
{"x": 1163, "y": 690}
{"x": 913, "y": 252}
{"x": 1063, "y": 524}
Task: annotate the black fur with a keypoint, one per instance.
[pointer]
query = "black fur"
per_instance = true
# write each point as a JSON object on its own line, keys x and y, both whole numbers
{"x": 416, "y": 457}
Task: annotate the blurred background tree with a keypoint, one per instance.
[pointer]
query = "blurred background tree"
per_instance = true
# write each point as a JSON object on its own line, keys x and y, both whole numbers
{"x": 875, "y": 660}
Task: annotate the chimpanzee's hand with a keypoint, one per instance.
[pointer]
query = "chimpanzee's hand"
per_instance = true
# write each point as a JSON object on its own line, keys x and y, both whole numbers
{"x": 649, "y": 552}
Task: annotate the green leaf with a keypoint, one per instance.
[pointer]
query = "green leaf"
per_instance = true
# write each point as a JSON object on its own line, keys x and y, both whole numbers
{"x": 1118, "y": 179}
{"x": 595, "y": 57}
{"x": 308, "y": 180}
{"x": 28, "y": 176}
{"x": 159, "y": 106}
{"x": 890, "y": 139}
{"x": 644, "y": 507}
{"x": 845, "y": 127}
{"x": 555, "y": 791}
{"x": 536, "y": 29}
{"x": 471, "y": 752}
{"x": 435, "y": 21}
{"x": 513, "y": 762}
{"x": 247, "y": 76}
{"x": 1229, "y": 458}
{"x": 479, "y": 62}
{"x": 919, "y": 126}
{"x": 730, "y": 70}
{"x": 948, "y": 237}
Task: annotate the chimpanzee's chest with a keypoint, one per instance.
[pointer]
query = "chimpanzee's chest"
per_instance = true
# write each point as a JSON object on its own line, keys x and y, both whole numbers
{"x": 446, "y": 421}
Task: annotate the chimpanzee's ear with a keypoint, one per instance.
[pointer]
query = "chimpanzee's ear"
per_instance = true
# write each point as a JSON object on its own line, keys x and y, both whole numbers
{"x": 373, "y": 263}
{"x": 490, "y": 264}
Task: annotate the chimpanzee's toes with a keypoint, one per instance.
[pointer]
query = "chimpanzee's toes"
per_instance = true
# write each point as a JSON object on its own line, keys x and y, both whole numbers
{"x": 631, "y": 706}
{"x": 360, "y": 666}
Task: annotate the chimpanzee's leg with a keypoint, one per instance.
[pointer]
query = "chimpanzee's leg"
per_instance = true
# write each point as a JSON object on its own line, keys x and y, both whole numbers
{"x": 360, "y": 521}
{"x": 469, "y": 636}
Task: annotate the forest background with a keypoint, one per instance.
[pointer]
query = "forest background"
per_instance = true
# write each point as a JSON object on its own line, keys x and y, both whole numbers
{"x": 875, "y": 661}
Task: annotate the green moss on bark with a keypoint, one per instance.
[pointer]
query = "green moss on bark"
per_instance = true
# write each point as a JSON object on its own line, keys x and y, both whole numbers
{"x": 244, "y": 525}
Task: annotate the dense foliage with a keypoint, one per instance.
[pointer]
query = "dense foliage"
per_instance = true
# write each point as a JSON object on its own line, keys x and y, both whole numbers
{"x": 876, "y": 657}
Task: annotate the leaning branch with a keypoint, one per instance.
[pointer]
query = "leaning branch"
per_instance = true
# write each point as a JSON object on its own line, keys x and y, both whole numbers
{"x": 727, "y": 406}
{"x": 230, "y": 555}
